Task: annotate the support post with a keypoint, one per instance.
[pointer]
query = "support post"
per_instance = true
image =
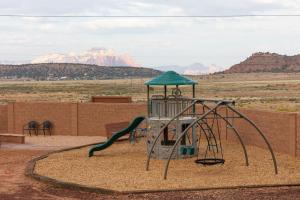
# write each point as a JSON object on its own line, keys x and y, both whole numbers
{"x": 148, "y": 100}
{"x": 166, "y": 130}
{"x": 165, "y": 100}
{"x": 260, "y": 133}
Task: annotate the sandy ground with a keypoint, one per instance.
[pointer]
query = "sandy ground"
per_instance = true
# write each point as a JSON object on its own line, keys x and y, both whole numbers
{"x": 15, "y": 185}
{"x": 54, "y": 142}
{"x": 122, "y": 168}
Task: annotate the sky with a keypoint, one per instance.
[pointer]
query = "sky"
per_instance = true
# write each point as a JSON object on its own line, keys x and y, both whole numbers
{"x": 152, "y": 42}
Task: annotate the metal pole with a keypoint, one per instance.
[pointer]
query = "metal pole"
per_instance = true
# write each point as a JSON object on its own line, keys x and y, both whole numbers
{"x": 166, "y": 131}
{"x": 194, "y": 109}
{"x": 165, "y": 99}
{"x": 148, "y": 100}
{"x": 183, "y": 134}
{"x": 193, "y": 90}
{"x": 260, "y": 132}
{"x": 194, "y": 112}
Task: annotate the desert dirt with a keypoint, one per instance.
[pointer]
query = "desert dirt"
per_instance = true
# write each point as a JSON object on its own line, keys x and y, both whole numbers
{"x": 15, "y": 185}
{"x": 278, "y": 92}
{"x": 122, "y": 168}
{"x": 270, "y": 91}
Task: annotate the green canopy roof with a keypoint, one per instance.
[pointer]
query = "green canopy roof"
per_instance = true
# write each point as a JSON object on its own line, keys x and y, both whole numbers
{"x": 170, "y": 78}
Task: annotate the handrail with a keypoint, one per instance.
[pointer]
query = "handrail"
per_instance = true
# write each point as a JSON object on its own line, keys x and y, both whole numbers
{"x": 216, "y": 100}
{"x": 163, "y": 128}
{"x": 167, "y": 107}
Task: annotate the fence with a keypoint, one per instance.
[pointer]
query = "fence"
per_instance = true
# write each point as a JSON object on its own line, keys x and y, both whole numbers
{"x": 89, "y": 119}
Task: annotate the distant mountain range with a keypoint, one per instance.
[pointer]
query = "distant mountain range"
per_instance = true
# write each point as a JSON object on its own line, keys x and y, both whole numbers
{"x": 94, "y": 56}
{"x": 72, "y": 71}
{"x": 100, "y": 63}
{"x": 96, "y": 63}
{"x": 267, "y": 62}
{"x": 193, "y": 69}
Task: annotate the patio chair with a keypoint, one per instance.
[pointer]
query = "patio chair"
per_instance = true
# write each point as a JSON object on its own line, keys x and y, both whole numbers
{"x": 46, "y": 127}
{"x": 31, "y": 126}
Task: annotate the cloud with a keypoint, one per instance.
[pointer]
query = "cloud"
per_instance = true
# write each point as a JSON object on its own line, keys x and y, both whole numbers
{"x": 119, "y": 23}
{"x": 154, "y": 41}
{"x": 13, "y": 39}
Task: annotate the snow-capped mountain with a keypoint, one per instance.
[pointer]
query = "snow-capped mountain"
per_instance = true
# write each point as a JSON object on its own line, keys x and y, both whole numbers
{"x": 198, "y": 69}
{"x": 95, "y": 56}
{"x": 193, "y": 69}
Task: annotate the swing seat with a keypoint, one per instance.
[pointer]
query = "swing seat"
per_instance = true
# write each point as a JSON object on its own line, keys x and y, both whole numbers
{"x": 210, "y": 161}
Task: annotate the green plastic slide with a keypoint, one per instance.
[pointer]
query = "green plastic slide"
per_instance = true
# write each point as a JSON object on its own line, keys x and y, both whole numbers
{"x": 132, "y": 126}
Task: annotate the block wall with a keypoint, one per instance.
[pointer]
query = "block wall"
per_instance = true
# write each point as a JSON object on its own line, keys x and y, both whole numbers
{"x": 89, "y": 119}
{"x": 60, "y": 114}
{"x": 3, "y": 119}
{"x": 280, "y": 130}
{"x": 92, "y": 117}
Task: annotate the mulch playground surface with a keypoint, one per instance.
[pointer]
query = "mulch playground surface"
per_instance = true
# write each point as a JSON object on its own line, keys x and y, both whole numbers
{"x": 15, "y": 185}
{"x": 122, "y": 168}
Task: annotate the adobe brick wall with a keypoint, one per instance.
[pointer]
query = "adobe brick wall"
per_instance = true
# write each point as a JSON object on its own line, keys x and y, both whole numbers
{"x": 58, "y": 113}
{"x": 279, "y": 128}
{"x": 89, "y": 119}
{"x": 3, "y": 119}
{"x": 92, "y": 117}
{"x": 297, "y": 135}
{"x": 70, "y": 118}
{"x": 112, "y": 99}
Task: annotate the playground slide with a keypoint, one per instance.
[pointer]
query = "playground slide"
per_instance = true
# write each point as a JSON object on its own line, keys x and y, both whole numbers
{"x": 131, "y": 127}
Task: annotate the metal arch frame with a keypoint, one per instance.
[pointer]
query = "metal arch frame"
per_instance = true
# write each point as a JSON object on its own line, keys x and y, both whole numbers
{"x": 184, "y": 132}
{"x": 201, "y": 117}
{"x": 236, "y": 133}
{"x": 261, "y": 134}
{"x": 163, "y": 128}
{"x": 241, "y": 117}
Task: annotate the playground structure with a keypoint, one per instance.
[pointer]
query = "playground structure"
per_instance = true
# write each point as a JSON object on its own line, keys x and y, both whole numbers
{"x": 182, "y": 118}
{"x": 161, "y": 110}
{"x": 177, "y": 125}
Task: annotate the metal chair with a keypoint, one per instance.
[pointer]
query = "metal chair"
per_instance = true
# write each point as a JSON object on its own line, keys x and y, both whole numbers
{"x": 31, "y": 126}
{"x": 46, "y": 127}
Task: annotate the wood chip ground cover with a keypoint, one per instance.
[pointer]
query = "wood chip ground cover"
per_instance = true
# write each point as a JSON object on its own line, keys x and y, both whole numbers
{"x": 122, "y": 168}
